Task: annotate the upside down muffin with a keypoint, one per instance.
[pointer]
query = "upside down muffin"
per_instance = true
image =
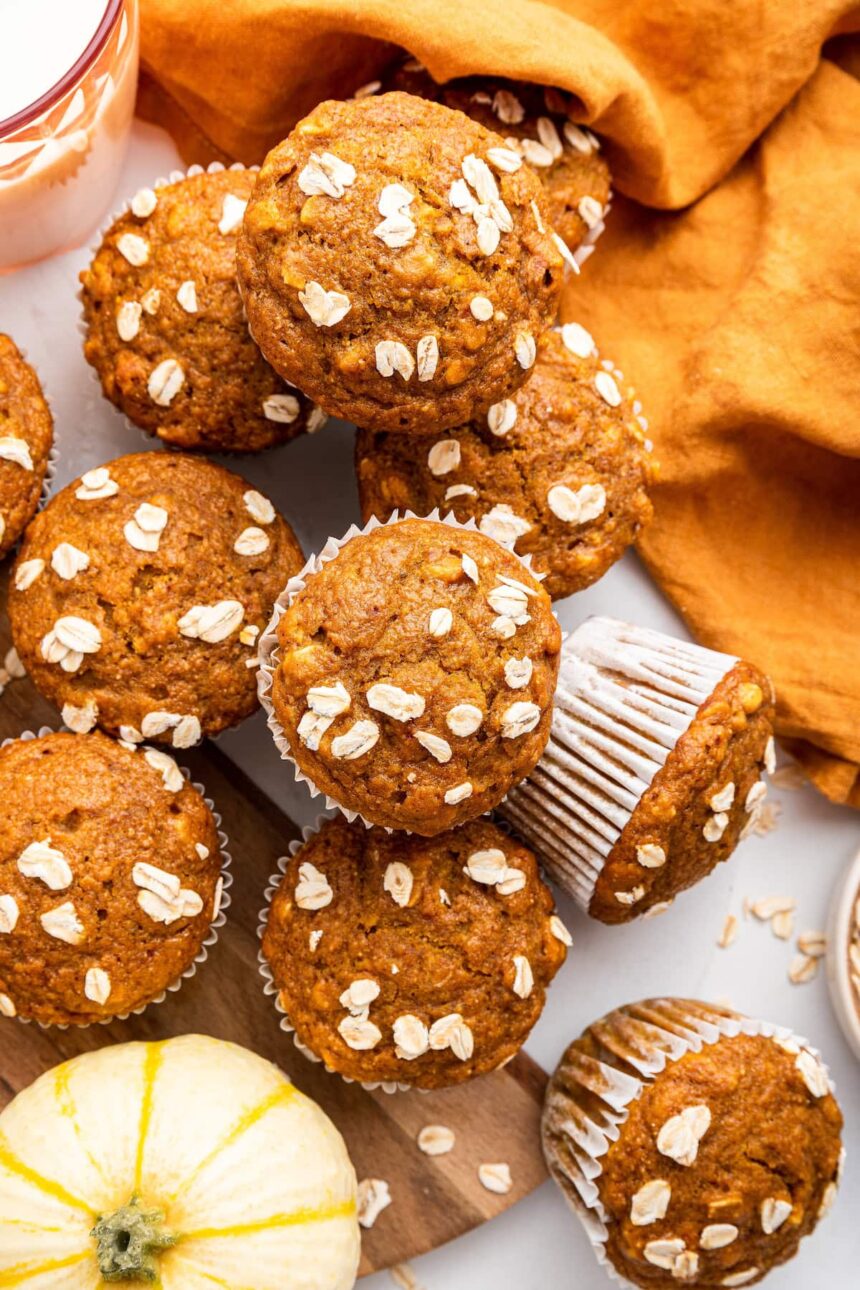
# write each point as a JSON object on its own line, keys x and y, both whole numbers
{"x": 139, "y": 592}
{"x": 412, "y": 674}
{"x": 165, "y": 328}
{"x": 698, "y": 1147}
{"x": 400, "y": 959}
{"x": 26, "y": 436}
{"x": 538, "y": 130}
{"x": 652, "y": 772}
{"x": 561, "y": 469}
{"x": 110, "y": 877}
{"x": 390, "y": 270}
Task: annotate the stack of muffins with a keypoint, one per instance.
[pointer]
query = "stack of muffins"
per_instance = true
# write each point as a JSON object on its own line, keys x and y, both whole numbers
{"x": 398, "y": 261}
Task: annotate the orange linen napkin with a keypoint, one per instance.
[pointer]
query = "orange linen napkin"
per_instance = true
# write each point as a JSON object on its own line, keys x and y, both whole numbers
{"x": 736, "y": 318}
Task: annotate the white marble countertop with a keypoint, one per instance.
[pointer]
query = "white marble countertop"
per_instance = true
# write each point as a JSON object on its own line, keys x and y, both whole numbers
{"x": 538, "y": 1243}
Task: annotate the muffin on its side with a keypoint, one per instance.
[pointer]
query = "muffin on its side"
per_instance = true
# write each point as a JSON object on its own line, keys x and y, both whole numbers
{"x": 651, "y": 774}
{"x": 698, "y": 1147}
{"x": 537, "y": 128}
{"x": 412, "y": 674}
{"x": 403, "y": 960}
{"x": 110, "y": 877}
{"x": 392, "y": 269}
{"x": 26, "y": 436}
{"x": 166, "y": 331}
{"x": 139, "y": 593}
{"x": 561, "y": 469}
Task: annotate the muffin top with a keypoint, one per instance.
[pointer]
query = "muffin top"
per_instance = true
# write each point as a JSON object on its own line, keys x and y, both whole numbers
{"x": 414, "y": 675}
{"x": 704, "y": 799}
{"x": 560, "y": 468}
{"x": 390, "y": 269}
{"x": 109, "y": 877}
{"x": 724, "y": 1162}
{"x": 537, "y": 128}
{"x": 406, "y": 960}
{"x": 139, "y": 592}
{"x": 26, "y": 435}
{"x": 166, "y": 331}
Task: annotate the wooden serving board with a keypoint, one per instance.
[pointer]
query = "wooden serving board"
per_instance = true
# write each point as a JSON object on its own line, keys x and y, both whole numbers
{"x": 495, "y": 1118}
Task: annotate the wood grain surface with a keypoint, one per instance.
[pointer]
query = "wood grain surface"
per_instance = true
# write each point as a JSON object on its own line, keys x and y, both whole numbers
{"x": 495, "y": 1118}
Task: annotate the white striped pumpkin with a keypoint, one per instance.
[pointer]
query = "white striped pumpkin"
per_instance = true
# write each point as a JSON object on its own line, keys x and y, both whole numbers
{"x": 244, "y": 1174}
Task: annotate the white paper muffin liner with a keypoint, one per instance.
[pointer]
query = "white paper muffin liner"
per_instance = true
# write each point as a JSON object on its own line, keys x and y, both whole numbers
{"x": 588, "y": 1100}
{"x": 268, "y": 642}
{"x": 149, "y": 438}
{"x": 214, "y": 928}
{"x": 271, "y": 989}
{"x": 625, "y": 696}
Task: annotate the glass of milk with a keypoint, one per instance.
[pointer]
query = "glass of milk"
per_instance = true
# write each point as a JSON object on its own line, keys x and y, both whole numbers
{"x": 68, "y": 77}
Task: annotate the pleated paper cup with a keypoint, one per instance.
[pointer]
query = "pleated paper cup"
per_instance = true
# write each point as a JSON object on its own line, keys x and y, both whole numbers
{"x": 269, "y": 986}
{"x": 625, "y": 696}
{"x": 268, "y": 646}
{"x": 223, "y": 900}
{"x": 589, "y": 1098}
{"x": 150, "y": 439}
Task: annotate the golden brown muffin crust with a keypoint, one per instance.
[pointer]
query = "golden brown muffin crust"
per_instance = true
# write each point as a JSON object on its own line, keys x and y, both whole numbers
{"x": 535, "y": 121}
{"x": 769, "y": 1141}
{"x": 557, "y": 436}
{"x": 26, "y": 435}
{"x": 102, "y": 810}
{"x": 181, "y": 307}
{"x": 419, "y": 606}
{"x": 724, "y": 745}
{"x": 147, "y": 656}
{"x": 405, "y": 903}
{"x": 398, "y": 346}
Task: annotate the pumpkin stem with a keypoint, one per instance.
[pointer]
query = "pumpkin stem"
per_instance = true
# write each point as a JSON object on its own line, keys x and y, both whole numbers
{"x": 128, "y": 1241}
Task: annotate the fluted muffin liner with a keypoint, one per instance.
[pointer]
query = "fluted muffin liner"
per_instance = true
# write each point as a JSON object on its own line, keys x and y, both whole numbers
{"x": 223, "y": 902}
{"x": 588, "y": 1105}
{"x": 271, "y": 989}
{"x": 151, "y": 440}
{"x": 608, "y": 741}
{"x": 268, "y": 643}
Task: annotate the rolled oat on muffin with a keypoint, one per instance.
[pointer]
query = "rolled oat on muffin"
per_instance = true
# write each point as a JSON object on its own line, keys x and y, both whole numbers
{"x": 561, "y": 469}
{"x": 392, "y": 269}
{"x": 652, "y": 771}
{"x": 409, "y": 673}
{"x": 26, "y": 438}
{"x": 536, "y": 124}
{"x": 139, "y": 593}
{"x": 165, "y": 328}
{"x": 697, "y": 1146}
{"x": 110, "y": 877}
{"x": 402, "y": 960}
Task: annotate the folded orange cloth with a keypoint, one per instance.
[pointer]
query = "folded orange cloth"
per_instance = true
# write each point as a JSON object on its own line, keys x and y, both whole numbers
{"x": 736, "y": 318}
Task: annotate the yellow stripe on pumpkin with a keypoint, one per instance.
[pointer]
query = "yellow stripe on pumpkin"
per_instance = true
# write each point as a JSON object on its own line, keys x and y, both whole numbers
{"x": 151, "y": 1065}
{"x": 47, "y": 1186}
{"x": 23, "y": 1272}
{"x": 345, "y": 1209}
{"x": 279, "y": 1097}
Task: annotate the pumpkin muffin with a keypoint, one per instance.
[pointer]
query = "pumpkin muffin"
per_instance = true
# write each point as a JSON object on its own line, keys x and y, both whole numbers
{"x": 390, "y": 269}
{"x": 139, "y": 592}
{"x": 402, "y": 960}
{"x": 561, "y": 469}
{"x": 652, "y": 773}
{"x": 537, "y": 127}
{"x": 26, "y": 436}
{"x": 110, "y": 877}
{"x": 697, "y": 1146}
{"x": 165, "y": 327}
{"x": 412, "y": 675}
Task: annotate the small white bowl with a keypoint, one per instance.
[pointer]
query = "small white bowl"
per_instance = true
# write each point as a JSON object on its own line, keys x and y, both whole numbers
{"x": 842, "y": 994}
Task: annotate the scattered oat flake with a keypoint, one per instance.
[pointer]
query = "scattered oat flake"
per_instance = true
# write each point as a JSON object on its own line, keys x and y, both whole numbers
{"x": 393, "y": 356}
{"x": 143, "y": 203}
{"x": 803, "y": 968}
{"x": 281, "y": 407}
{"x": 373, "y": 1197}
{"x": 128, "y": 319}
{"x": 133, "y": 248}
{"x": 789, "y": 776}
{"x": 525, "y": 349}
{"x": 427, "y": 357}
{"x": 232, "y": 213}
{"x": 186, "y": 296}
{"x": 324, "y": 308}
{"x": 403, "y": 1276}
{"x": 326, "y": 175}
{"x": 782, "y": 925}
{"x": 496, "y": 1178}
{"x": 813, "y": 944}
{"x": 444, "y": 456}
{"x": 728, "y": 935}
{"x": 436, "y": 1140}
{"x": 765, "y": 909}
